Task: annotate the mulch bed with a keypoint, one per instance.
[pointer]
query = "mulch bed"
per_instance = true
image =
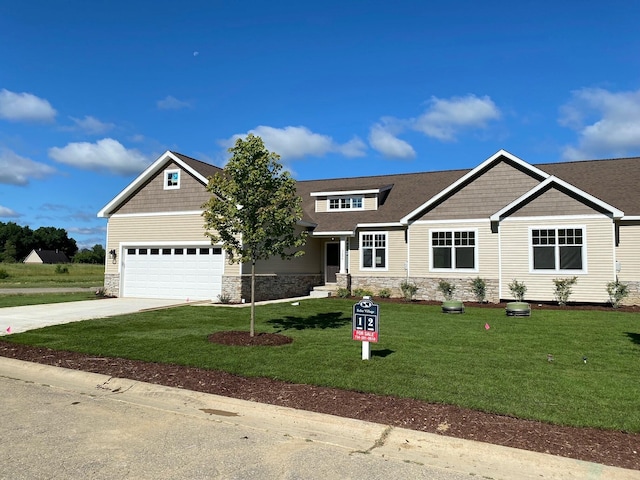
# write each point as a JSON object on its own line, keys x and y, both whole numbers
{"x": 613, "y": 448}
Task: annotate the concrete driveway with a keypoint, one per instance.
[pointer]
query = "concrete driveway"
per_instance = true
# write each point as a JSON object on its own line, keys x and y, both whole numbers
{"x": 21, "y": 319}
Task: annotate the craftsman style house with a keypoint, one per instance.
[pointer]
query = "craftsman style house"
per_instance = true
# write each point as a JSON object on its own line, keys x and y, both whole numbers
{"x": 504, "y": 220}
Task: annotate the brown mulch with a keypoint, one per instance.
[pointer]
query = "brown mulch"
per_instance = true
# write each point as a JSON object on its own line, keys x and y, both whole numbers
{"x": 613, "y": 448}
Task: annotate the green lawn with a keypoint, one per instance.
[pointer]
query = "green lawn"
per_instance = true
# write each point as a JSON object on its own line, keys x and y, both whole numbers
{"x": 422, "y": 354}
{"x": 43, "y": 298}
{"x": 21, "y": 275}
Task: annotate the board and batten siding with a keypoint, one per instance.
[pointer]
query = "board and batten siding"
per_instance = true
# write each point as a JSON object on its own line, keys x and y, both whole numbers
{"x": 420, "y": 249}
{"x": 151, "y": 197}
{"x": 181, "y": 229}
{"x": 485, "y": 195}
{"x": 396, "y": 256}
{"x": 598, "y": 259}
{"x": 628, "y": 252}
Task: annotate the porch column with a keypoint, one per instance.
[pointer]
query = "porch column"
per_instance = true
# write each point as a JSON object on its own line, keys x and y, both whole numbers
{"x": 343, "y": 254}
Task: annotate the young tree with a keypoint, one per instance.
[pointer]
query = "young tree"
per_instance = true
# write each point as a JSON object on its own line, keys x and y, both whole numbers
{"x": 254, "y": 209}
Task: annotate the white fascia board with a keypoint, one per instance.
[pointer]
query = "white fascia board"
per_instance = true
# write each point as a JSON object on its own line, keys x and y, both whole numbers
{"x": 346, "y": 233}
{"x": 631, "y": 218}
{"x": 380, "y": 225}
{"x": 151, "y": 170}
{"x": 554, "y": 180}
{"x": 348, "y": 192}
{"x": 493, "y": 158}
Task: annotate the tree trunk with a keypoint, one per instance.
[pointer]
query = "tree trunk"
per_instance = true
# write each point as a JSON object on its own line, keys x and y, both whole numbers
{"x": 253, "y": 299}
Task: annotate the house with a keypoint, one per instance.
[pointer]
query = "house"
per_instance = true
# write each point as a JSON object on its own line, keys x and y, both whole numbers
{"x": 46, "y": 256}
{"x": 502, "y": 220}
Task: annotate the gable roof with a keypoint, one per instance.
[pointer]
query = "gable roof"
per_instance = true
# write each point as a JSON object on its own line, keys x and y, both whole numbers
{"x": 50, "y": 256}
{"x": 610, "y": 185}
{"x": 200, "y": 171}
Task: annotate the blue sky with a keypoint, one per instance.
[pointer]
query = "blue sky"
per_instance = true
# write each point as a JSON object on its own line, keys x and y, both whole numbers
{"x": 93, "y": 92}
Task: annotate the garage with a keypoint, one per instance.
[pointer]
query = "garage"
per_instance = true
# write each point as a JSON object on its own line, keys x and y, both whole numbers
{"x": 183, "y": 272}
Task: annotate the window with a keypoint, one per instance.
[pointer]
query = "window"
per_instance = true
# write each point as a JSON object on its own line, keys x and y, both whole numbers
{"x": 171, "y": 179}
{"x": 374, "y": 250}
{"x": 453, "y": 250}
{"x": 155, "y": 251}
{"x": 345, "y": 203}
{"x": 166, "y": 251}
{"x": 557, "y": 249}
{"x": 204, "y": 251}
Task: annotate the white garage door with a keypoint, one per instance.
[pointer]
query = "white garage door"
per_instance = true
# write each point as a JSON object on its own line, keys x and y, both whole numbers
{"x": 193, "y": 273}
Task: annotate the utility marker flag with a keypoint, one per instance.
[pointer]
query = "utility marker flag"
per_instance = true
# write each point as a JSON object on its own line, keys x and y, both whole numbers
{"x": 8, "y": 329}
{"x": 486, "y": 326}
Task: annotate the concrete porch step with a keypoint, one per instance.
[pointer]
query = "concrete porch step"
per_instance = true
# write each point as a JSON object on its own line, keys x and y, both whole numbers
{"x": 324, "y": 291}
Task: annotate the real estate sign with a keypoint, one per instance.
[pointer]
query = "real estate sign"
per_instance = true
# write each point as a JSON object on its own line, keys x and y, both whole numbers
{"x": 365, "y": 321}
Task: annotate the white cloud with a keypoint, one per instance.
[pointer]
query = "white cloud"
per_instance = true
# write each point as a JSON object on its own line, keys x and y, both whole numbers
{"x": 25, "y": 107}
{"x": 383, "y": 139}
{"x": 91, "y": 125}
{"x": 17, "y": 170}
{"x": 298, "y": 142}
{"x": 607, "y": 123}
{"x": 106, "y": 154}
{"x": 171, "y": 103}
{"x": 445, "y": 118}
{"x": 6, "y": 212}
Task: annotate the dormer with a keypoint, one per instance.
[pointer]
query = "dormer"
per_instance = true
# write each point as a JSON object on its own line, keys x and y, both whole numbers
{"x": 350, "y": 200}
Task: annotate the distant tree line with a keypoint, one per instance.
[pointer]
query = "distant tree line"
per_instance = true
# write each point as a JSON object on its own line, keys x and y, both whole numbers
{"x": 16, "y": 242}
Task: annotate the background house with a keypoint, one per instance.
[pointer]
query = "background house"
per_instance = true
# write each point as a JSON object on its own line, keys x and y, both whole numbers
{"x": 46, "y": 256}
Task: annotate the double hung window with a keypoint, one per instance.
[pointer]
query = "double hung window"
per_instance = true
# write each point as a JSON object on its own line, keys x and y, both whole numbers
{"x": 374, "y": 250}
{"x": 453, "y": 250}
{"x": 557, "y": 249}
{"x": 345, "y": 203}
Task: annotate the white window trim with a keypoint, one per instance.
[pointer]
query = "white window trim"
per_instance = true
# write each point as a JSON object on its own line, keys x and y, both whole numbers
{"x": 557, "y": 271}
{"x": 340, "y": 208}
{"x": 164, "y": 179}
{"x": 386, "y": 252}
{"x": 476, "y": 249}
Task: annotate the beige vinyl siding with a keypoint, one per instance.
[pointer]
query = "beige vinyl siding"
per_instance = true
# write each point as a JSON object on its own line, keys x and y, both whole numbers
{"x": 152, "y": 197}
{"x": 550, "y": 202}
{"x": 598, "y": 259}
{"x": 497, "y": 187}
{"x": 309, "y": 263}
{"x": 420, "y": 249}
{"x": 396, "y": 255}
{"x": 369, "y": 202}
{"x": 322, "y": 204}
{"x": 628, "y": 252}
{"x": 156, "y": 229}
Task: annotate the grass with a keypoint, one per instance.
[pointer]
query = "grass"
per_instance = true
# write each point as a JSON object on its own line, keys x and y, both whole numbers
{"x": 422, "y": 354}
{"x": 21, "y": 275}
{"x": 44, "y": 298}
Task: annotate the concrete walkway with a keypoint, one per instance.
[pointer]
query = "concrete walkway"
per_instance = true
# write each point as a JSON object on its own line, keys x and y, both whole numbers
{"x": 29, "y": 317}
{"x": 102, "y": 427}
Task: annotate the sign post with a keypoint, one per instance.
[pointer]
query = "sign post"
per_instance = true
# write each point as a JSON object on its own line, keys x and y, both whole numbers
{"x": 366, "y": 325}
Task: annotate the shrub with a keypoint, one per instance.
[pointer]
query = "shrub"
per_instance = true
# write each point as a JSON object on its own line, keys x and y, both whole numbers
{"x": 447, "y": 289}
{"x": 563, "y": 289}
{"x": 4, "y": 274}
{"x": 62, "y": 269}
{"x": 518, "y": 289}
{"x": 224, "y": 298}
{"x": 617, "y": 291}
{"x": 343, "y": 293}
{"x": 362, "y": 292}
{"x": 479, "y": 289}
{"x": 408, "y": 290}
{"x": 384, "y": 293}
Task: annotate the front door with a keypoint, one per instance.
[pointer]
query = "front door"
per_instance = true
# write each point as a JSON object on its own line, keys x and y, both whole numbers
{"x": 332, "y": 262}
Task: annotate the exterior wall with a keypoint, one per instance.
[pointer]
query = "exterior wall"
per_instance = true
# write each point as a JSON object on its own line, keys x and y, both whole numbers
{"x": 497, "y": 187}
{"x": 309, "y": 263}
{"x": 598, "y": 257}
{"x": 33, "y": 258}
{"x": 153, "y": 198}
{"x": 396, "y": 259}
{"x": 268, "y": 287}
{"x": 628, "y": 256}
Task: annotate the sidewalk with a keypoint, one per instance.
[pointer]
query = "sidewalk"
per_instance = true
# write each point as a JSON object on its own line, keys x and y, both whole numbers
{"x": 449, "y": 454}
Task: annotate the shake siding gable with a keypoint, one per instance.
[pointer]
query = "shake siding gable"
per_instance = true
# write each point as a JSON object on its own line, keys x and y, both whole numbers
{"x": 151, "y": 197}
{"x": 553, "y": 202}
{"x": 485, "y": 195}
